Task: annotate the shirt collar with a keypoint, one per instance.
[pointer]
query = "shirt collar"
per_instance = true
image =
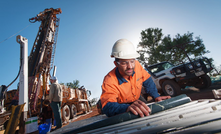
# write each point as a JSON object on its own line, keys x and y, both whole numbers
{"x": 120, "y": 78}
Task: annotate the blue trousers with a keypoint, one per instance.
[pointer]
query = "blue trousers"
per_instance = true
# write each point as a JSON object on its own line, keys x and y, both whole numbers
{"x": 56, "y": 108}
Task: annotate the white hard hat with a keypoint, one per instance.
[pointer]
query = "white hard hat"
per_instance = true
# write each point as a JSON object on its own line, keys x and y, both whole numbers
{"x": 124, "y": 49}
{"x": 53, "y": 78}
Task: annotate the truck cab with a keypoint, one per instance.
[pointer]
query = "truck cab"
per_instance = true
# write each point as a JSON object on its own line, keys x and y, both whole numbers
{"x": 170, "y": 79}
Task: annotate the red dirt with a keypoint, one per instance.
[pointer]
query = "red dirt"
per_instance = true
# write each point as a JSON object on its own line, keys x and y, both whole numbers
{"x": 94, "y": 112}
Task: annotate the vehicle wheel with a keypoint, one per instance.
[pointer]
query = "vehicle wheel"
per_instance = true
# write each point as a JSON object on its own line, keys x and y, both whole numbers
{"x": 99, "y": 107}
{"x": 5, "y": 124}
{"x": 171, "y": 88}
{"x": 204, "y": 82}
{"x": 86, "y": 108}
{"x": 66, "y": 113}
{"x": 73, "y": 111}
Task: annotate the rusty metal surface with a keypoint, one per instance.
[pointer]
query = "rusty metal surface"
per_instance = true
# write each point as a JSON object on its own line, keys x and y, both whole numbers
{"x": 4, "y": 117}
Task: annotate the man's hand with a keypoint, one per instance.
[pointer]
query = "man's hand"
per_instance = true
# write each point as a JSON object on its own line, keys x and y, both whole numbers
{"x": 139, "y": 107}
{"x": 160, "y": 98}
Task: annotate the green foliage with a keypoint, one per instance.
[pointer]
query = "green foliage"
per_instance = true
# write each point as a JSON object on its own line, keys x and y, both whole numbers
{"x": 150, "y": 41}
{"x": 155, "y": 48}
{"x": 61, "y": 83}
{"x": 73, "y": 85}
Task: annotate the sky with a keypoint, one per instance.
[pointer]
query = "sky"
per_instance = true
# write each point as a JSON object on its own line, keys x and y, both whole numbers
{"x": 89, "y": 28}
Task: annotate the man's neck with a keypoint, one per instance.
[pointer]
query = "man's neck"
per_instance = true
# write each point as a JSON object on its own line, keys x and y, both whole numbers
{"x": 126, "y": 77}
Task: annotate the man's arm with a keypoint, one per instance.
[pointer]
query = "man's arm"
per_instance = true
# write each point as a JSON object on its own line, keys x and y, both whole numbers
{"x": 114, "y": 108}
{"x": 111, "y": 107}
{"x": 150, "y": 88}
{"x": 137, "y": 107}
{"x": 108, "y": 98}
{"x": 51, "y": 93}
{"x": 160, "y": 98}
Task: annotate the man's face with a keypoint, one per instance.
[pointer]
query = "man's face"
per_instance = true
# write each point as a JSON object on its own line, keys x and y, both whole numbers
{"x": 125, "y": 66}
{"x": 52, "y": 81}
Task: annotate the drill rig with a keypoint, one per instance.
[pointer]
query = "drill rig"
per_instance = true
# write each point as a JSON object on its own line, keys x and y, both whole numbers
{"x": 41, "y": 58}
{"x": 40, "y": 63}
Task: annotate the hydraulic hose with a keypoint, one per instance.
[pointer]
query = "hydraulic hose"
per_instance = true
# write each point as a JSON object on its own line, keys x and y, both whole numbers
{"x": 18, "y": 71}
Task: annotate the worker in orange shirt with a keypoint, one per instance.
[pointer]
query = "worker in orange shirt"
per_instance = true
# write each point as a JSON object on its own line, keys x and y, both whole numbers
{"x": 121, "y": 88}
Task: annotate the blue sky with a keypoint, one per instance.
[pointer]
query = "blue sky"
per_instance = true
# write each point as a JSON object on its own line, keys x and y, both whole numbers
{"x": 89, "y": 28}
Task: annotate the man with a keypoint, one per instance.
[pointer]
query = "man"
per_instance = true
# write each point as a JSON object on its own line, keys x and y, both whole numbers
{"x": 55, "y": 98}
{"x": 122, "y": 86}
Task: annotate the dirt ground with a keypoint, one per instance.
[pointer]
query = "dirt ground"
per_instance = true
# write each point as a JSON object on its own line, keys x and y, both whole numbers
{"x": 195, "y": 93}
{"x": 93, "y": 112}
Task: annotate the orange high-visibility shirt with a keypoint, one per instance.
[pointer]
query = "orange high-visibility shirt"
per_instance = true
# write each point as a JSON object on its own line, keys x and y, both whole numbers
{"x": 118, "y": 89}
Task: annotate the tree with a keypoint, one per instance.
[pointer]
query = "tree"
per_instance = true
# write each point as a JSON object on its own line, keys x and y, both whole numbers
{"x": 150, "y": 40}
{"x": 155, "y": 48}
{"x": 61, "y": 83}
{"x": 76, "y": 85}
{"x": 73, "y": 85}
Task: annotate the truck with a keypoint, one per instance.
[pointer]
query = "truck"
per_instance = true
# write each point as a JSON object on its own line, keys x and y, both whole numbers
{"x": 4, "y": 114}
{"x": 170, "y": 79}
{"x": 74, "y": 101}
{"x": 40, "y": 64}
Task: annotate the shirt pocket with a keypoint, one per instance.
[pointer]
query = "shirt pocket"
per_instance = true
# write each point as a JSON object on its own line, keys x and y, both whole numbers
{"x": 125, "y": 97}
{"x": 139, "y": 83}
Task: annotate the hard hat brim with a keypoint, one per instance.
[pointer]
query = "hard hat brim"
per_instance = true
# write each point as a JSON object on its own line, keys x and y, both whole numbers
{"x": 131, "y": 56}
